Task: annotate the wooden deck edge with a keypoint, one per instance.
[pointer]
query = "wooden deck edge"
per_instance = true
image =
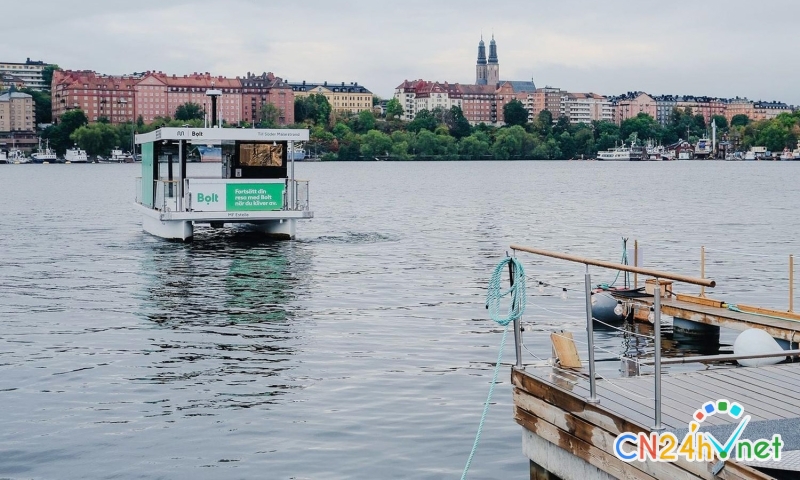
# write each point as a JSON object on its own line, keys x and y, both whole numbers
{"x": 709, "y": 302}
{"x": 768, "y": 311}
{"x": 572, "y": 416}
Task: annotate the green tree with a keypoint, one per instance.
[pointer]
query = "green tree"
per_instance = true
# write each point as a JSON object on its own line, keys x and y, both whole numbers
{"x": 189, "y": 111}
{"x": 47, "y": 74}
{"x": 364, "y": 122}
{"x": 424, "y": 120}
{"x": 514, "y": 113}
{"x": 375, "y": 144}
{"x": 740, "y": 120}
{"x": 43, "y": 105}
{"x": 457, "y": 124}
{"x": 643, "y": 125}
{"x": 394, "y": 109}
{"x": 269, "y": 116}
{"x": 721, "y": 121}
{"x": 313, "y": 108}
{"x": 97, "y": 138}
{"x": 475, "y": 146}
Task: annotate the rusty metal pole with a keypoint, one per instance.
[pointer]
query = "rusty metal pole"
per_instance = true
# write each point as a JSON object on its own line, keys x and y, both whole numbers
{"x": 702, "y": 268}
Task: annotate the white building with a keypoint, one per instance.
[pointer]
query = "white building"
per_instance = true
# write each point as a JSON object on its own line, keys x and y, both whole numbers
{"x": 586, "y": 108}
{"x": 422, "y": 95}
{"x": 29, "y": 72}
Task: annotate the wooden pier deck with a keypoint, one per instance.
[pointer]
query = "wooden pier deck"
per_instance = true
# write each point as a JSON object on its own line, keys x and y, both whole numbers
{"x": 716, "y": 312}
{"x": 551, "y": 404}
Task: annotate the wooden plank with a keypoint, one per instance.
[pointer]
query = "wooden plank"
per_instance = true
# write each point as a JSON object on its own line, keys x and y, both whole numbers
{"x": 769, "y": 311}
{"x": 581, "y": 449}
{"x": 631, "y": 408}
{"x": 783, "y": 395}
{"x": 602, "y": 439}
{"x": 566, "y": 352}
{"x": 704, "y": 392}
{"x": 742, "y": 393}
{"x": 699, "y": 300}
{"x": 679, "y": 403}
{"x": 615, "y": 424}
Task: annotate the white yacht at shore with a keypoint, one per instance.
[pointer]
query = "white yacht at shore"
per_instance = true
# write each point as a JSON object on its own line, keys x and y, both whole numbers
{"x": 76, "y": 155}
{"x": 622, "y": 154}
{"x": 3, "y": 157}
{"x": 17, "y": 156}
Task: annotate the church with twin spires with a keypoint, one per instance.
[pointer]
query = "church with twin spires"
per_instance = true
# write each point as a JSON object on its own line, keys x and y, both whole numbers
{"x": 487, "y": 72}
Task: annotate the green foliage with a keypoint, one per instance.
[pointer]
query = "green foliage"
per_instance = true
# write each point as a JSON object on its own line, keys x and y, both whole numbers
{"x": 644, "y": 126}
{"x": 375, "y": 144}
{"x": 514, "y": 113}
{"x": 189, "y": 111}
{"x": 364, "y": 121}
{"x": 740, "y": 120}
{"x": 42, "y": 102}
{"x": 97, "y": 138}
{"x": 314, "y": 108}
{"x": 59, "y": 134}
{"x": 424, "y": 120}
{"x": 457, "y": 124}
{"x": 47, "y": 74}
{"x": 394, "y": 109}
{"x": 721, "y": 121}
{"x": 269, "y": 116}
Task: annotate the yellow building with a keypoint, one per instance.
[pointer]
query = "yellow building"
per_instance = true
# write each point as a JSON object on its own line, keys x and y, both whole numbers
{"x": 343, "y": 97}
{"x": 16, "y": 112}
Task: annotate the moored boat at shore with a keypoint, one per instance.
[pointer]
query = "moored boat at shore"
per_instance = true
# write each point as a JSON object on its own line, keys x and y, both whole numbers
{"x": 44, "y": 155}
{"x": 622, "y": 154}
{"x": 76, "y": 155}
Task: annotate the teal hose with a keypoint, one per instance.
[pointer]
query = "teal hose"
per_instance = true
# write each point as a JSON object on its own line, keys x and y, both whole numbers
{"x": 515, "y": 310}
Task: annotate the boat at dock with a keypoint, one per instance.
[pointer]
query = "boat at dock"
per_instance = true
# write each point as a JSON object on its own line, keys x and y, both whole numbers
{"x": 256, "y": 185}
{"x": 118, "y": 156}
{"x": 622, "y": 154}
{"x": 76, "y": 155}
{"x": 3, "y": 157}
{"x": 17, "y": 156}
{"x": 45, "y": 154}
{"x": 703, "y": 149}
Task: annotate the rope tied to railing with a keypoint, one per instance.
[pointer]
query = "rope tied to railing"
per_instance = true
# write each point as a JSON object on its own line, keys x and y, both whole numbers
{"x": 495, "y": 293}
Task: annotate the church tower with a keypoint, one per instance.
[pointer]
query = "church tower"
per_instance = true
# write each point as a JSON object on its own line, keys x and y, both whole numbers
{"x": 481, "y": 71}
{"x": 493, "y": 68}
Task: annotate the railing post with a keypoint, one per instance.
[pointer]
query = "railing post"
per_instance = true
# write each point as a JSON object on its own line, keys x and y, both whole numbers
{"x": 590, "y": 334}
{"x": 657, "y": 335}
{"x": 791, "y": 283}
{"x": 635, "y": 263}
{"x": 702, "y": 268}
{"x": 517, "y": 328}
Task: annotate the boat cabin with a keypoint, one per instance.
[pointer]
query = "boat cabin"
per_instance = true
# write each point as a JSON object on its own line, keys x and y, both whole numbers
{"x": 255, "y": 184}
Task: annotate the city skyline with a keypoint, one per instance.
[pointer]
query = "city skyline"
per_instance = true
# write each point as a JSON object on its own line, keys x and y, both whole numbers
{"x": 576, "y": 46}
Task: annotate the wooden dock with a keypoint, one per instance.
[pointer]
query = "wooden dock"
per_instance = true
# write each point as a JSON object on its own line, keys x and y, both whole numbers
{"x": 551, "y": 404}
{"x": 783, "y": 325}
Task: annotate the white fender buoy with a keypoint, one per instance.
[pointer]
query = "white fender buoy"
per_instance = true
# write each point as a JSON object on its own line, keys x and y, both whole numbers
{"x": 753, "y": 342}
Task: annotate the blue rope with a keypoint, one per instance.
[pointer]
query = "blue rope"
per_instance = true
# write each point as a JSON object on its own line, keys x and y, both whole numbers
{"x": 624, "y": 261}
{"x": 515, "y": 310}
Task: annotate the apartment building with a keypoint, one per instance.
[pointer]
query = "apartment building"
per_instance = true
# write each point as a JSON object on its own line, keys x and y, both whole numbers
{"x": 343, "y": 97}
{"x": 98, "y": 96}
{"x": 16, "y": 112}
{"x": 586, "y": 108}
{"x": 632, "y": 104}
{"x": 260, "y": 90}
{"x": 29, "y": 73}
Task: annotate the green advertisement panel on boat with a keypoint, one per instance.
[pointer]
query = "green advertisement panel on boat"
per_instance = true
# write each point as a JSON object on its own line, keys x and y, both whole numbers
{"x": 254, "y": 196}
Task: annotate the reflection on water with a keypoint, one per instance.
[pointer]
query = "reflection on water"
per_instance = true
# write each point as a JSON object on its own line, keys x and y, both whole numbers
{"x": 230, "y": 293}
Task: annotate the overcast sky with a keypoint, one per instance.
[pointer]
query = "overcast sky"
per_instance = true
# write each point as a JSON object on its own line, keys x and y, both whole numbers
{"x": 703, "y": 47}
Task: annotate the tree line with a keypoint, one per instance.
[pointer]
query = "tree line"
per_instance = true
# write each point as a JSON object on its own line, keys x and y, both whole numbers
{"x": 443, "y": 134}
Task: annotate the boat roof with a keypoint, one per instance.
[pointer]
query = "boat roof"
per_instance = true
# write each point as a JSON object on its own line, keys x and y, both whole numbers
{"x": 209, "y": 135}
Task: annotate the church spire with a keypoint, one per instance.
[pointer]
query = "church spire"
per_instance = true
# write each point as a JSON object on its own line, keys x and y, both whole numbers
{"x": 492, "y": 51}
{"x": 481, "y": 52}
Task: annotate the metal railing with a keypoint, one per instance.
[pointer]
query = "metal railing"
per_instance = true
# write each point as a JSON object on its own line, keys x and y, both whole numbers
{"x": 657, "y": 274}
{"x": 138, "y": 193}
{"x": 299, "y": 192}
{"x": 166, "y": 195}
